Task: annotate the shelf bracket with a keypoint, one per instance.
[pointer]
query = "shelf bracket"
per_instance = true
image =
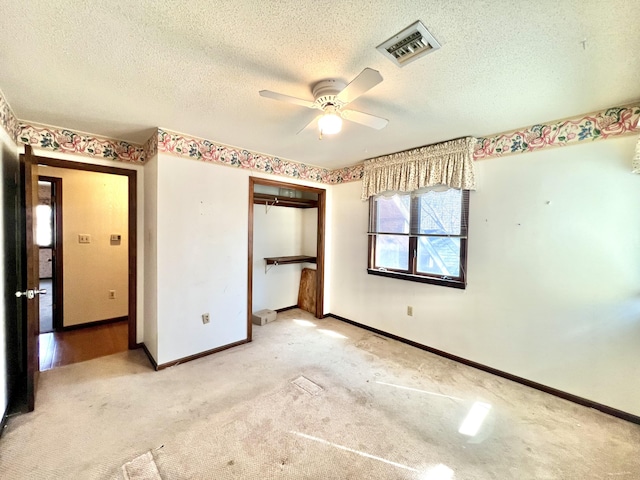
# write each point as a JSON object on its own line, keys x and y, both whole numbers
{"x": 267, "y": 206}
{"x": 268, "y": 267}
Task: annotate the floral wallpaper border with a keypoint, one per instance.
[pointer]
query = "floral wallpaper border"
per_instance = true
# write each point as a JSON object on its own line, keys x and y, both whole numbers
{"x": 8, "y": 120}
{"x": 601, "y": 125}
{"x": 594, "y": 126}
{"x": 68, "y": 141}
{"x": 150, "y": 148}
{"x": 208, "y": 151}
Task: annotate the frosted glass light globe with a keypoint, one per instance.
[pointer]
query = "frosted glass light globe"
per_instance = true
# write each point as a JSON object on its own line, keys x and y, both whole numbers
{"x": 330, "y": 124}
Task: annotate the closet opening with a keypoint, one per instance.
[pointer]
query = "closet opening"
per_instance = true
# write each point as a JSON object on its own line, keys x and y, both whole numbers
{"x": 286, "y": 248}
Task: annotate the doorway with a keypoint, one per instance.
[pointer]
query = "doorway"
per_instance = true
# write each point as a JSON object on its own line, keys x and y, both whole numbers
{"x": 271, "y": 194}
{"x": 99, "y": 313}
{"x": 49, "y": 240}
{"x": 131, "y": 176}
{"x": 85, "y": 340}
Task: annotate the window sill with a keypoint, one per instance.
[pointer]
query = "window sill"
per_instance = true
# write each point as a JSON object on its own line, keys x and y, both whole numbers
{"x": 418, "y": 278}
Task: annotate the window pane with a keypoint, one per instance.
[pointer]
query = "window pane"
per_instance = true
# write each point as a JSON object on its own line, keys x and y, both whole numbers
{"x": 440, "y": 212}
{"x": 439, "y": 256}
{"x": 393, "y": 213}
{"x": 44, "y": 230}
{"x": 392, "y": 251}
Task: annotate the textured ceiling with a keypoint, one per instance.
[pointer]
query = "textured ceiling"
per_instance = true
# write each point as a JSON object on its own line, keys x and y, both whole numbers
{"x": 119, "y": 68}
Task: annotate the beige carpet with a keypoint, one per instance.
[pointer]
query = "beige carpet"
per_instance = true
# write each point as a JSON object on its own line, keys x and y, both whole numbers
{"x": 316, "y": 399}
{"x": 141, "y": 468}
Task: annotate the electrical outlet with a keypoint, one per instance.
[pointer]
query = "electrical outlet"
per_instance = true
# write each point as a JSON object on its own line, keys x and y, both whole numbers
{"x": 112, "y": 294}
{"x": 410, "y": 310}
{"x": 84, "y": 238}
{"x": 205, "y": 318}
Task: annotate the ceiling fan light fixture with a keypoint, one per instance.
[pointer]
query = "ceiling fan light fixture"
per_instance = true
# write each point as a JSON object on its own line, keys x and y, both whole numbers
{"x": 330, "y": 123}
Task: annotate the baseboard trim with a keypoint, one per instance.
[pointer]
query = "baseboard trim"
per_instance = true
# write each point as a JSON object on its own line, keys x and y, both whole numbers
{"x": 200, "y": 355}
{"x": 94, "y": 324}
{"x": 523, "y": 381}
{"x": 279, "y": 310}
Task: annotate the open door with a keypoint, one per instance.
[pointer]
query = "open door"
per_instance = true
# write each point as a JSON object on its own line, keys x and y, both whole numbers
{"x": 29, "y": 291}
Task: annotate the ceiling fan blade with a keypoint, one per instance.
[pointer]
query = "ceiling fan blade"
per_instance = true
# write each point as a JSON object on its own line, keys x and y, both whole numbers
{"x": 364, "y": 82}
{"x": 287, "y": 98}
{"x": 311, "y": 125}
{"x": 365, "y": 119}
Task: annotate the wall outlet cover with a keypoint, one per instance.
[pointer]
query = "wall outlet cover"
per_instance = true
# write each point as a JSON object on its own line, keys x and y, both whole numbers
{"x": 205, "y": 318}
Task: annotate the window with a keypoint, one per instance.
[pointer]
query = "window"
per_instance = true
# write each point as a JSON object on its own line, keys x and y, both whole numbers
{"x": 420, "y": 236}
{"x": 44, "y": 226}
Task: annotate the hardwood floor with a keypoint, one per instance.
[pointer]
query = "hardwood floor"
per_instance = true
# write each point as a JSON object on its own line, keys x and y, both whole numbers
{"x": 72, "y": 346}
{"x": 46, "y": 306}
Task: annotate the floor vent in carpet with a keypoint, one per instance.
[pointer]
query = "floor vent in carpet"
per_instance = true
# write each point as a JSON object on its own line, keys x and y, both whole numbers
{"x": 307, "y": 385}
{"x": 141, "y": 468}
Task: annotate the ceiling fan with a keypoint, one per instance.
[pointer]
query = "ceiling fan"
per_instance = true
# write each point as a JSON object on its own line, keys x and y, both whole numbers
{"x": 331, "y": 96}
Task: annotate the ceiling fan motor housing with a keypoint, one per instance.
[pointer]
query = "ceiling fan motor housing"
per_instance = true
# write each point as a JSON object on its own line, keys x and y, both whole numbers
{"x": 325, "y": 93}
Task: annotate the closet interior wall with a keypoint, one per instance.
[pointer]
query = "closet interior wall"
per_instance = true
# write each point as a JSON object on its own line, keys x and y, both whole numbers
{"x": 281, "y": 228}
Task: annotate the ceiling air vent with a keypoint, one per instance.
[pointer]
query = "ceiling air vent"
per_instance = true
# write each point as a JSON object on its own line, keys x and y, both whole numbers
{"x": 410, "y": 44}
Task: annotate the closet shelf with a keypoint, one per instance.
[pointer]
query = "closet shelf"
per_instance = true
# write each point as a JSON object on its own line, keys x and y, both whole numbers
{"x": 283, "y": 201}
{"x": 273, "y": 261}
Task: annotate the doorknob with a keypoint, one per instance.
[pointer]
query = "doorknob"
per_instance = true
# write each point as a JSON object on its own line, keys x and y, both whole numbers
{"x": 31, "y": 293}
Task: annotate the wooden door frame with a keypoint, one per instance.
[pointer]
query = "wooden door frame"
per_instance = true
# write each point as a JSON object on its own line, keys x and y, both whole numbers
{"x": 31, "y": 274}
{"x": 57, "y": 250}
{"x": 320, "y": 243}
{"x": 132, "y": 228}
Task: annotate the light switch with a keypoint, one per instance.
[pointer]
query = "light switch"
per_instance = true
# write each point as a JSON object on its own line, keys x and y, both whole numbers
{"x": 84, "y": 238}
{"x": 115, "y": 237}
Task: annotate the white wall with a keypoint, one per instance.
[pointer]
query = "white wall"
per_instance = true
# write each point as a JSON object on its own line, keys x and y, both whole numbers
{"x": 140, "y": 221}
{"x": 202, "y": 232}
{"x": 309, "y": 231}
{"x": 553, "y": 276}
{"x": 202, "y": 256}
{"x": 95, "y": 204}
{"x": 150, "y": 241}
{"x": 276, "y": 233}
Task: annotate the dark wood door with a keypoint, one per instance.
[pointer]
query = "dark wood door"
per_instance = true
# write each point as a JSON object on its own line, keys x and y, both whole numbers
{"x": 28, "y": 292}
{"x": 15, "y": 328}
